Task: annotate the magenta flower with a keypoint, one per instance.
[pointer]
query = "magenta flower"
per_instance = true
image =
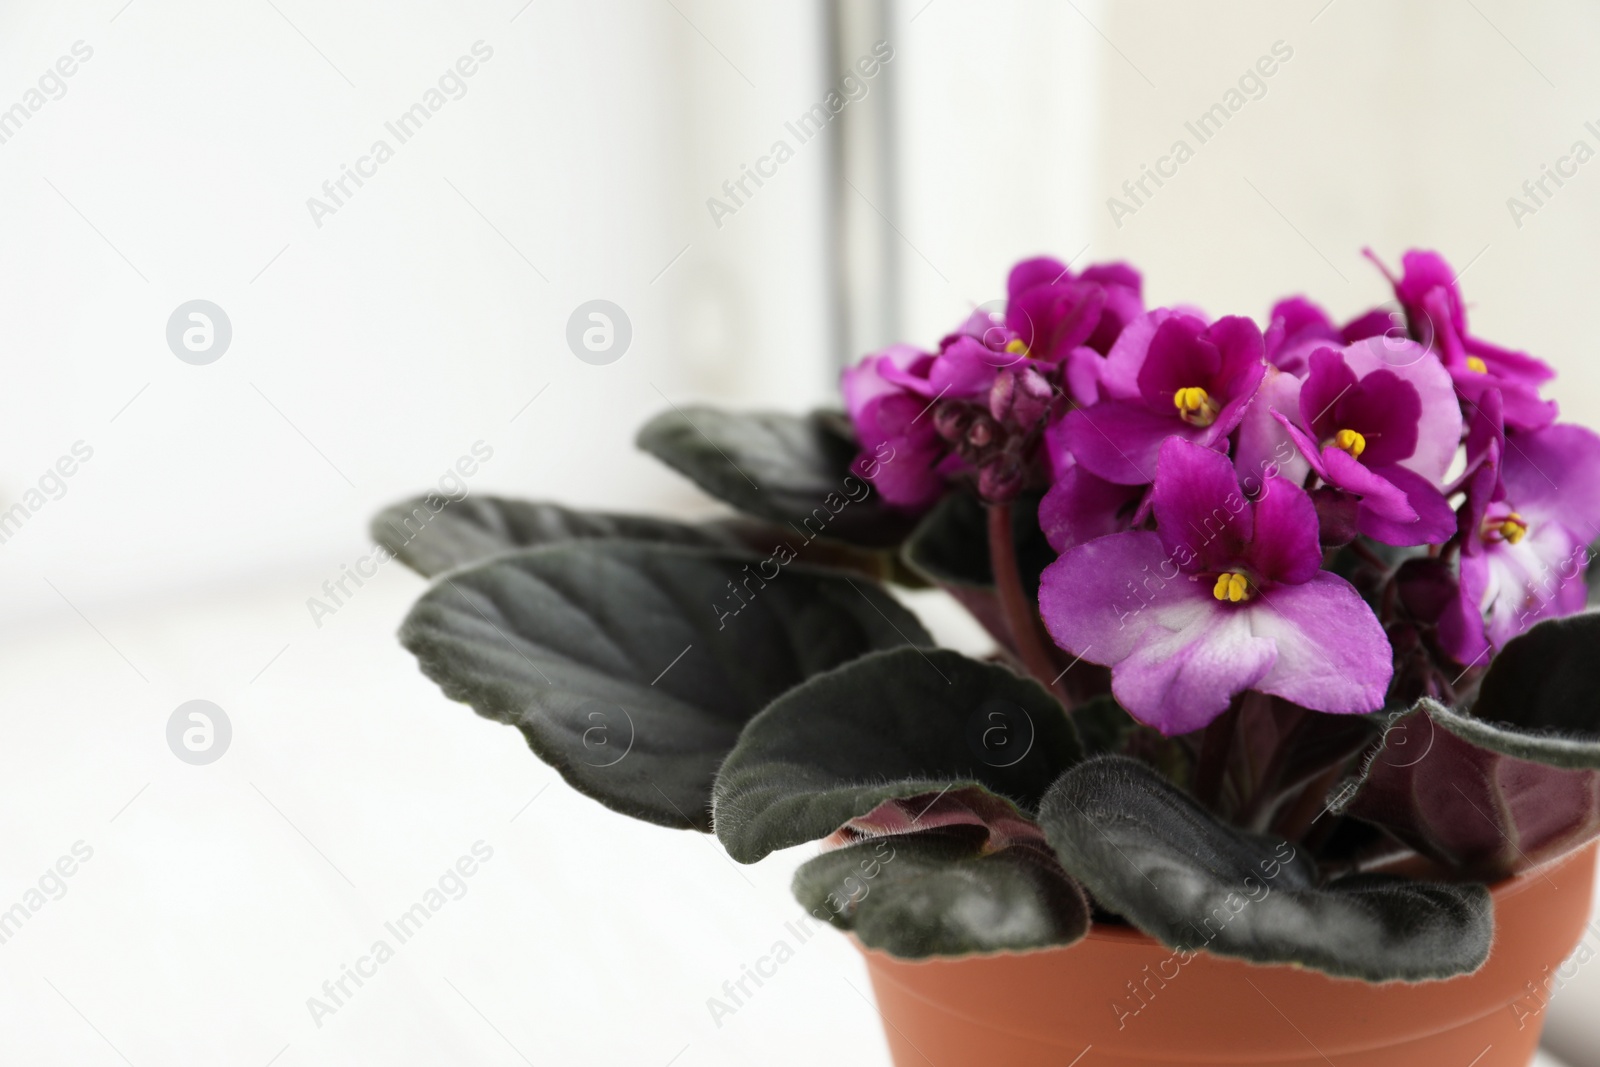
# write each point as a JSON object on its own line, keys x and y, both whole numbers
{"x": 1080, "y": 507}
{"x": 1263, "y": 447}
{"x": 1381, "y": 424}
{"x": 888, "y": 396}
{"x": 1428, "y": 292}
{"x": 1051, "y": 312}
{"x": 1297, "y": 327}
{"x": 1226, "y": 595}
{"x": 980, "y": 402}
{"x": 1169, "y": 374}
{"x": 1525, "y": 532}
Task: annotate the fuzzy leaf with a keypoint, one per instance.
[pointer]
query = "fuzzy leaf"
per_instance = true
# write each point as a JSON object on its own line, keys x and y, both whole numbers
{"x": 1145, "y": 850}
{"x": 1511, "y": 782}
{"x": 788, "y": 469}
{"x": 626, "y": 665}
{"x": 433, "y": 540}
{"x": 891, "y": 725}
{"x": 941, "y": 893}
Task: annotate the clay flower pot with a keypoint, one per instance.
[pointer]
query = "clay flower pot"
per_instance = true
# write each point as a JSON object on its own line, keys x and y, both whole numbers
{"x": 1119, "y": 999}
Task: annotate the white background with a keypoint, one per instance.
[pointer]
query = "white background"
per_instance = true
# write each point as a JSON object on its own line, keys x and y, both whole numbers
{"x": 371, "y": 352}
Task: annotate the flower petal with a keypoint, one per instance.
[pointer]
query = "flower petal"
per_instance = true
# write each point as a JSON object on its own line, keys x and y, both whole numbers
{"x": 1120, "y": 439}
{"x": 1201, "y": 513}
{"x": 1180, "y": 356}
{"x": 1080, "y": 507}
{"x": 1284, "y": 547}
{"x": 1330, "y": 379}
{"x": 1120, "y": 378}
{"x": 1434, "y": 524}
{"x": 1554, "y": 473}
{"x": 1461, "y": 628}
{"x": 1378, "y": 495}
{"x": 1332, "y": 653}
{"x": 1439, "y": 426}
{"x": 1096, "y": 600}
{"x": 1265, "y": 449}
{"x": 1191, "y": 661}
{"x": 1040, "y": 270}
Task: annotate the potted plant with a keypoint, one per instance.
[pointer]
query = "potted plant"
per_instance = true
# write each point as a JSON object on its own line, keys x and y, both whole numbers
{"x": 1291, "y": 747}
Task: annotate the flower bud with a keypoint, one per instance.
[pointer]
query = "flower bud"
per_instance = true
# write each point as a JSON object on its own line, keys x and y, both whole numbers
{"x": 951, "y": 418}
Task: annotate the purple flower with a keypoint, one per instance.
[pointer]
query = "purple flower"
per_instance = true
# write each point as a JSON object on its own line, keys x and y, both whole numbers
{"x": 1050, "y": 312}
{"x": 1080, "y": 507}
{"x": 1432, "y": 302}
{"x": 1263, "y": 447}
{"x": 1226, "y": 595}
{"x": 1382, "y": 424}
{"x": 1297, "y": 327}
{"x": 887, "y": 396}
{"x": 1169, "y": 374}
{"x": 980, "y": 402}
{"x": 1525, "y": 531}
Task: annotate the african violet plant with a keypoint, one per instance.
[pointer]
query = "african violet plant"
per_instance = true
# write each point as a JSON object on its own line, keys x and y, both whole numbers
{"x": 1279, "y": 612}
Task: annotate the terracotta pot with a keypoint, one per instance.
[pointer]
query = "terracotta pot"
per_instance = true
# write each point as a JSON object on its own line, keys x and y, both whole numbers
{"x": 1077, "y": 1006}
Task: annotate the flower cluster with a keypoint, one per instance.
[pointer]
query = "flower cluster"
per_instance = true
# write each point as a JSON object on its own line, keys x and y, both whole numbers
{"x": 980, "y": 404}
{"x": 1340, "y": 516}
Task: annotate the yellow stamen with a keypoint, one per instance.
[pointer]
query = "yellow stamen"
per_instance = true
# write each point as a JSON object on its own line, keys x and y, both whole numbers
{"x": 1476, "y": 365}
{"x": 1195, "y": 406}
{"x": 1512, "y": 529}
{"x": 1232, "y": 587}
{"x": 1350, "y": 441}
{"x": 1016, "y": 347}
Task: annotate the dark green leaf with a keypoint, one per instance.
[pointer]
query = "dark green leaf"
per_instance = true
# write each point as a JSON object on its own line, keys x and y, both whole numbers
{"x": 1146, "y": 851}
{"x": 943, "y": 893}
{"x": 1543, "y": 692}
{"x": 788, "y": 469}
{"x": 950, "y": 546}
{"x": 630, "y": 667}
{"x": 433, "y": 534}
{"x": 1592, "y": 578}
{"x": 1509, "y": 783}
{"x": 891, "y": 725}
{"x": 1102, "y": 725}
